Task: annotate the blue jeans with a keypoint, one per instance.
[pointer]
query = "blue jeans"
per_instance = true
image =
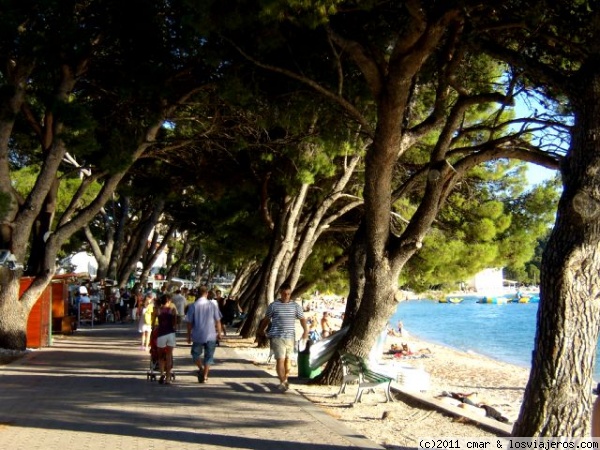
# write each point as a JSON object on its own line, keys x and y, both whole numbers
{"x": 208, "y": 348}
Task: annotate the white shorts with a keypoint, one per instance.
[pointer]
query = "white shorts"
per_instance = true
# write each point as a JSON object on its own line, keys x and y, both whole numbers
{"x": 168, "y": 340}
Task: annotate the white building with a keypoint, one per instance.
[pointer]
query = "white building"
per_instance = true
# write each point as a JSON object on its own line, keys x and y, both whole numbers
{"x": 488, "y": 281}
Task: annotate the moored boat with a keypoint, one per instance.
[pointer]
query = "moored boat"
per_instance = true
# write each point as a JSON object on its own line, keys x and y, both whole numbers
{"x": 493, "y": 300}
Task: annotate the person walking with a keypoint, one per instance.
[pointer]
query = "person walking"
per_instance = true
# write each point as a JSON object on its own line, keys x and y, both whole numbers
{"x": 179, "y": 302}
{"x": 204, "y": 330}
{"x": 166, "y": 318}
{"x": 282, "y": 315}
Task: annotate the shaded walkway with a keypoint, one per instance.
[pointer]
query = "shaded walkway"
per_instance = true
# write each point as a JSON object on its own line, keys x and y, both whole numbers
{"x": 89, "y": 391}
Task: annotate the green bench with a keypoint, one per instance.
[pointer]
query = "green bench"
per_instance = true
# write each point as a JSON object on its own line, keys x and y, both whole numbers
{"x": 355, "y": 369}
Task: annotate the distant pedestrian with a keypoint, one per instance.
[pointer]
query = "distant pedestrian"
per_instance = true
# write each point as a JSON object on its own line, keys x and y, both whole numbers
{"x": 325, "y": 325}
{"x": 138, "y": 305}
{"x": 180, "y": 302}
{"x": 204, "y": 330}
{"x": 231, "y": 310}
{"x": 282, "y": 315}
{"x": 145, "y": 324}
{"x": 82, "y": 295}
{"x": 218, "y": 297}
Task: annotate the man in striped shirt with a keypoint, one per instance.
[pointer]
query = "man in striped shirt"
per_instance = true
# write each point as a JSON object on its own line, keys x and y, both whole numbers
{"x": 282, "y": 315}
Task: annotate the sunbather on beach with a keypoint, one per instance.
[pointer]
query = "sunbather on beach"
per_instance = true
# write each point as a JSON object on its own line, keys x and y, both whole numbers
{"x": 404, "y": 351}
{"x": 471, "y": 399}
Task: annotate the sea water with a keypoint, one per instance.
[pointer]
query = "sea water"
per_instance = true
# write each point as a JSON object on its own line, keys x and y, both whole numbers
{"x": 505, "y": 332}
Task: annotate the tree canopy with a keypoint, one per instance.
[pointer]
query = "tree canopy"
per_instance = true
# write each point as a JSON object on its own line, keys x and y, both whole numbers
{"x": 287, "y": 138}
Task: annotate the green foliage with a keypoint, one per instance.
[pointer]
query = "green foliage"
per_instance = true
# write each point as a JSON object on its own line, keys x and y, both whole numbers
{"x": 534, "y": 213}
{"x": 484, "y": 225}
{"x": 324, "y": 253}
{"x": 25, "y": 178}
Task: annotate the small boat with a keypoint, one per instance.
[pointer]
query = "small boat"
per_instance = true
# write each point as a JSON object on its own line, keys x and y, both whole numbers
{"x": 523, "y": 299}
{"x": 454, "y": 300}
{"x": 493, "y": 300}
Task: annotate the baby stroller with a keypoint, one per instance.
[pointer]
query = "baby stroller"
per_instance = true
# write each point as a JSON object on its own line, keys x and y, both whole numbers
{"x": 154, "y": 369}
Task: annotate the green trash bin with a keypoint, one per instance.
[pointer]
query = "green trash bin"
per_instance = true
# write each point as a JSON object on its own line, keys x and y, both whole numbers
{"x": 304, "y": 370}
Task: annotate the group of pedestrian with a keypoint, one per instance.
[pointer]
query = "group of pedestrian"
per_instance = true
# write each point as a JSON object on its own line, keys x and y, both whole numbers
{"x": 161, "y": 317}
{"x": 109, "y": 303}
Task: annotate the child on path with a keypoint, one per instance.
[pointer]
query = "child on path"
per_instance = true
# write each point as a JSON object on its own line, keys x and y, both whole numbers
{"x": 145, "y": 324}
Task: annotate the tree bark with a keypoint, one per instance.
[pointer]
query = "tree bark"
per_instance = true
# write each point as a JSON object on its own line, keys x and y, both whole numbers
{"x": 186, "y": 253}
{"x": 13, "y": 313}
{"x": 282, "y": 241}
{"x": 243, "y": 277}
{"x": 138, "y": 243}
{"x": 558, "y": 395}
{"x": 116, "y": 255}
{"x": 332, "y": 374}
{"x": 257, "y": 303}
{"x": 8, "y": 112}
{"x": 102, "y": 256}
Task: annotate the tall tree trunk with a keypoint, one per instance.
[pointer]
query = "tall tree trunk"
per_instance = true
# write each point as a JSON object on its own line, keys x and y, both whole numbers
{"x": 284, "y": 235}
{"x": 356, "y": 268}
{"x": 200, "y": 267}
{"x": 313, "y": 224}
{"x": 282, "y": 241}
{"x": 258, "y": 302}
{"x": 242, "y": 277}
{"x": 186, "y": 253}
{"x": 249, "y": 292}
{"x": 40, "y": 230}
{"x": 156, "y": 248}
{"x": 102, "y": 255}
{"x": 558, "y": 395}
{"x": 13, "y": 313}
{"x": 139, "y": 243}
{"x": 9, "y": 107}
{"x": 15, "y": 308}
{"x": 116, "y": 255}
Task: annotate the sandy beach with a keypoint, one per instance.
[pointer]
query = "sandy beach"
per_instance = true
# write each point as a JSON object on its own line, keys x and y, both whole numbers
{"x": 401, "y": 423}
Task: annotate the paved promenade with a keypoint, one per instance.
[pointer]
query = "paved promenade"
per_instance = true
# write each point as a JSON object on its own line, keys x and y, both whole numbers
{"x": 89, "y": 391}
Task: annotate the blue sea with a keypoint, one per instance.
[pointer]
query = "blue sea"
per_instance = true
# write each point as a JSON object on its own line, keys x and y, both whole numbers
{"x": 505, "y": 332}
